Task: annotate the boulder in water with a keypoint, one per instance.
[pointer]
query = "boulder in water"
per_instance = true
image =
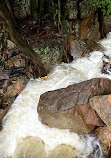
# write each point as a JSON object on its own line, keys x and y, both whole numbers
{"x": 67, "y": 108}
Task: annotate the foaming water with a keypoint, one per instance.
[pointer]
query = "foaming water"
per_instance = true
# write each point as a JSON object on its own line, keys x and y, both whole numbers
{"x": 22, "y": 123}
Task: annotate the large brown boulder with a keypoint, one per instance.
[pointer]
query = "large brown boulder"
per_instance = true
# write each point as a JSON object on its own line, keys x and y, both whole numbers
{"x": 68, "y": 108}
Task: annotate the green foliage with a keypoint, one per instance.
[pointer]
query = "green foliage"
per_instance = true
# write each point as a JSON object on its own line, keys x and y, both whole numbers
{"x": 105, "y": 6}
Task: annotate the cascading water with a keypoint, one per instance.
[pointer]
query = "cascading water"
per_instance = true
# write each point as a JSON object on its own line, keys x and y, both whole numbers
{"x": 23, "y": 135}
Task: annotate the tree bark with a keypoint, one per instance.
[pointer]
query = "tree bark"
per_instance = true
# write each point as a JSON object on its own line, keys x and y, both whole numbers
{"x": 10, "y": 26}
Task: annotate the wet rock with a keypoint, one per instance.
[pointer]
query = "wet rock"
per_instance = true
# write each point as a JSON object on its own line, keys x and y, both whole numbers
{"x": 69, "y": 119}
{"x": 11, "y": 89}
{"x": 89, "y": 28}
{"x": 15, "y": 88}
{"x": 30, "y": 147}
{"x": 102, "y": 105}
{"x": 50, "y": 53}
{"x": 63, "y": 151}
{"x": 81, "y": 48}
{"x": 60, "y": 108}
{"x": 105, "y": 137}
{"x": 88, "y": 115}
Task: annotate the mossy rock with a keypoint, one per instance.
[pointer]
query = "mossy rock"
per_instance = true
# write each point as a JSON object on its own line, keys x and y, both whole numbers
{"x": 85, "y": 9}
{"x": 50, "y": 52}
{"x": 70, "y": 9}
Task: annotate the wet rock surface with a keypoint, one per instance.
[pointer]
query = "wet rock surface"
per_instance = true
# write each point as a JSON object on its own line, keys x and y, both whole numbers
{"x": 82, "y": 48}
{"x": 69, "y": 107}
{"x": 89, "y": 28}
{"x": 80, "y": 93}
{"x": 30, "y": 147}
{"x": 63, "y": 151}
{"x": 105, "y": 137}
{"x": 102, "y": 105}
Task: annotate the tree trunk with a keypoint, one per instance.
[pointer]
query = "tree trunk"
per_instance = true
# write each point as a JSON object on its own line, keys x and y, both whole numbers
{"x": 10, "y": 26}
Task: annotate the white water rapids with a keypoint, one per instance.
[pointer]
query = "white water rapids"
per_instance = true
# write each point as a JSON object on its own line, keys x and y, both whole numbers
{"x": 22, "y": 119}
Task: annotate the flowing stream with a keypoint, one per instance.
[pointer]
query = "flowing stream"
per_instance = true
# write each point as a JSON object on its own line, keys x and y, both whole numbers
{"x": 23, "y": 135}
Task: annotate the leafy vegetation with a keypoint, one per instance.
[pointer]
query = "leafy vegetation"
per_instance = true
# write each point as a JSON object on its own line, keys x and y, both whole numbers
{"x": 104, "y": 5}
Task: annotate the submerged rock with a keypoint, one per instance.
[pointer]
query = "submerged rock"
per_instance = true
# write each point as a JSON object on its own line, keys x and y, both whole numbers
{"x": 67, "y": 108}
{"x": 63, "y": 151}
{"x": 30, "y": 147}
